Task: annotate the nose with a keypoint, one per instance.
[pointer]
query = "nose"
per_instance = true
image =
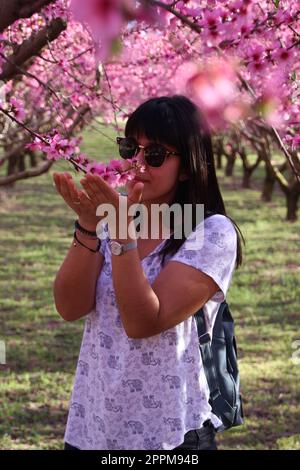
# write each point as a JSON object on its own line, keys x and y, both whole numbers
{"x": 140, "y": 156}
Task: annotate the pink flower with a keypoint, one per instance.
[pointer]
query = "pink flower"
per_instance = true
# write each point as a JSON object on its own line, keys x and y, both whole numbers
{"x": 281, "y": 16}
{"x": 296, "y": 141}
{"x": 61, "y": 147}
{"x": 213, "y": 87}
{"x": 283, "y": 55}
{"x": 104, "y": 18}
{"x": 37, "y": 144}
{"x": 2, "y": 51}
{"x": 17, "y": 108}
{"x": 255, "y": 52}
{"x": 96, "y": 168}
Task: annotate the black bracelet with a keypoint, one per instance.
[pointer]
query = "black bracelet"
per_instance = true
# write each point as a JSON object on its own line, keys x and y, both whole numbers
{"x": 82, "y": 244}
{"x": 84, "y": 230}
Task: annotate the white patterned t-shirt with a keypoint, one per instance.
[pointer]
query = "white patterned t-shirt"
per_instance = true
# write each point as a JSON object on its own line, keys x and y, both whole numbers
{"x": 132, "y": 394}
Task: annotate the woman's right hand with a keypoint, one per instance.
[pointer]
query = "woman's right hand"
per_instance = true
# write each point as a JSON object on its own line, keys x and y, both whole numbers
{"x": 77, "y": 200}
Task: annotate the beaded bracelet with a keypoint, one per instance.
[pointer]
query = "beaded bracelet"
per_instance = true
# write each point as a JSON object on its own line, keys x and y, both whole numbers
{"x": 84, "y": 230}
{"x": 82, "y": 244}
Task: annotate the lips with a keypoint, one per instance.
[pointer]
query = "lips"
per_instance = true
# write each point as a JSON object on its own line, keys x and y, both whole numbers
{"x": 136, "y": 178}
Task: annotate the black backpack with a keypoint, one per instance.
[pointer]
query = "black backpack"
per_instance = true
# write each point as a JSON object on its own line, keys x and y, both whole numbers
{"x": 219, "y": 357}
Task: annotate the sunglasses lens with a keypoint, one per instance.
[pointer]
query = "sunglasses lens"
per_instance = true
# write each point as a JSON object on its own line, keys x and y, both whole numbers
{"x": 155, "y": 155}
{"x": 127, "y": 147}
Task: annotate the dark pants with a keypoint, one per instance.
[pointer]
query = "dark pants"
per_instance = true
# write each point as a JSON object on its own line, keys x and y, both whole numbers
{"x": 197, "y": 439}
{"x": 200, "y": 439}
{"x": 69, "y": 447}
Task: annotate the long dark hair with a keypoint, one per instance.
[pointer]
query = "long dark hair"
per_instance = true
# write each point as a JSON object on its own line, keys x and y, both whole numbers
{"x": 178, "y": 122}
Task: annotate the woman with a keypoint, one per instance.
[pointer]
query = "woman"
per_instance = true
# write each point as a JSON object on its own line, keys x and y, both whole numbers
{"x": 140, "y": 383}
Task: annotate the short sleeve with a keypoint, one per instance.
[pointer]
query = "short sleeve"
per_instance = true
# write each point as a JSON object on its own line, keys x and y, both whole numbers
{"x": 211, "y": 248}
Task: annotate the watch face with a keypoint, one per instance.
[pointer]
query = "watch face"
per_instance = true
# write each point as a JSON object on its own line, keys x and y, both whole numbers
{"x": 115, "y": 248}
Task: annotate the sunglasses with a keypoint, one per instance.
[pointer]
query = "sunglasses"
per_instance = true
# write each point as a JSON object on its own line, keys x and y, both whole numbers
{"x": 154, "y": 154}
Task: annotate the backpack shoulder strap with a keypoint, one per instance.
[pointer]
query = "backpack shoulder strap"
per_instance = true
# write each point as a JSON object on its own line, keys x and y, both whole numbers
{"x": 219, "y": 405}
{"x": 206, "y": 352}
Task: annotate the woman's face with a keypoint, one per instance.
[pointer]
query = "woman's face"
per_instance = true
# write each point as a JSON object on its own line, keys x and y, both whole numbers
{"x": 160, "y": 183}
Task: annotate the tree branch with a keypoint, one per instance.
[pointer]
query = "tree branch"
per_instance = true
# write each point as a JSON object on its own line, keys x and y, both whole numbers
{"x": 26, "y": 174}
{"x": 14, "y": 152}
{"x": 31, "y": 47}
{"x": 12, "y": 10}
{"x": 47, "y": 165}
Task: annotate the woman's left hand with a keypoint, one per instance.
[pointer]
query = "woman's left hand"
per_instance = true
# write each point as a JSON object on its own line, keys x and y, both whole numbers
{"x": 100, "y": 192}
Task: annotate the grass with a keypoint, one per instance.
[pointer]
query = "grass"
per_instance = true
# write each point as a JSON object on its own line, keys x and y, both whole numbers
{"x": 42, "y": 350}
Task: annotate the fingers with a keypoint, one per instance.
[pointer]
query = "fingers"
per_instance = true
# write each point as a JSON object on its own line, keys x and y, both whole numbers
{"x": 64, "y": 188}
{"x": 74, "y": 193}
{"x": 136, "y": 192}
{"x": 95, "y": 184}
{"x": 56, "y": 181}
{"x": 92, "y": 190}
{"x": 96, "y": 190}
{"x": 67, "y": 189}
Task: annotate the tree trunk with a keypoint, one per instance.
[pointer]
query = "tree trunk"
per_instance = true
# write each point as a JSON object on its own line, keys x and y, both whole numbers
{"x": 11, "y": 168}
{"x": 268, "y": 185}
{"x": 230, "y": 165}
{"x": 247, "y": 172}
{"x": 292, "y": 198}
{"x": 268, "y": 189}
{"x": 21, "y": 163}
{"x": 32, "y": 158}
{"x": 219, "y": 161}
{"x": 12, "y": 163}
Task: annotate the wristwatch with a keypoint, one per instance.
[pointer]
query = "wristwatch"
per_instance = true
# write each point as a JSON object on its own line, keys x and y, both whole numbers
{"x": 117, "y": 248}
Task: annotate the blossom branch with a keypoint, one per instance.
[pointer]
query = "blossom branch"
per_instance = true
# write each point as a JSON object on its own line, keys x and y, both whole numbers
{"x": 31, "y": 47}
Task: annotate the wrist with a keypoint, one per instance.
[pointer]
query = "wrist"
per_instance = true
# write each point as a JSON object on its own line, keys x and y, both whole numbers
{"x": 121, "y": 238}
{"x": 124, "y": 234}
{"x": 88, "y": 226}
{"x": 117, "y": 248}
{"x": 92, "y": 244}
{"x": 85, "y": 235}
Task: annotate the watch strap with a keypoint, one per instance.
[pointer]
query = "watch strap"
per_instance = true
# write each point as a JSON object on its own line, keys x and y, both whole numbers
{"x": 129, "y": 246}
{"x": 125, "y": 246}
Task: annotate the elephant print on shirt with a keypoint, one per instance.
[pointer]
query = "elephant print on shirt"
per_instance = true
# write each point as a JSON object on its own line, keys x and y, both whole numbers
{"x": 112, "y": 444}
{"x": 111, "y": 406}
{"x": 170, "y": 336}
{"x": 99, "y": 423}
{"x": 172, "y": 380}
{"x": 149, "y": 402}
{"x": 134, "y": 343}
{"x": 113, "y": 362}
{"x": 149, "y": 360}
{"x": 151, "y": 444}
{"x": 136, "y": 427}
{"x": 84, "y": 368}
{"x": 173, "y": 423}
{"x": 135, "y": 385}
{"x": 79, "y": 409}
{"x": 106, "y": 341}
